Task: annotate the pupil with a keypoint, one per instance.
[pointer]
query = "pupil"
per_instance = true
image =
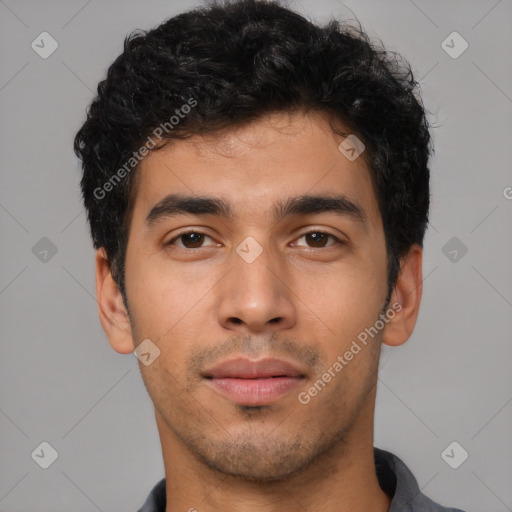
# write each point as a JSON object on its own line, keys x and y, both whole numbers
{"x": 193, "y": 238}
{"x": 316, "y": 237}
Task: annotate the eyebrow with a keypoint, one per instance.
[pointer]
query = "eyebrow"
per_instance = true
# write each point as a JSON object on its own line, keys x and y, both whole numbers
{"x": 177, "y": 204}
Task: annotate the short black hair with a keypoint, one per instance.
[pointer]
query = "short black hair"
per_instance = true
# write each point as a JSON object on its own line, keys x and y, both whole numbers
{"x": 227, "y": 64}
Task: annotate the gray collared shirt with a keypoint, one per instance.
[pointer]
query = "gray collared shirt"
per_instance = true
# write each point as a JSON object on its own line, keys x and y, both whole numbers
{"x": 395, "y": 479}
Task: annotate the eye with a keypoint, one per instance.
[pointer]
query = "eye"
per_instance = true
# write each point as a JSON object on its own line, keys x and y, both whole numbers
{"x": 319, "y": 239}
{"x": 189, "y": 240}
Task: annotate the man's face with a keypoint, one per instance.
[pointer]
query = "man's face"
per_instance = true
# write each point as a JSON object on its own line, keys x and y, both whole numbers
{"x": 253, "y": 286}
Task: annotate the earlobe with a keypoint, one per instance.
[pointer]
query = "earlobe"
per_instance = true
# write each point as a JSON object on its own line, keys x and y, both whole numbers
{"x": 112, "y": 311}
{"x": 407, "y": 297}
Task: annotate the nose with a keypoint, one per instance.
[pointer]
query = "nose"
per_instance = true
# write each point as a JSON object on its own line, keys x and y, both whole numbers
{"x": 255, "y": 297}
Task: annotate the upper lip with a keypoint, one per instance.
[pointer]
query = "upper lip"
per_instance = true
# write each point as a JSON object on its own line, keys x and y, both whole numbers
{"x": 244, "y": 368}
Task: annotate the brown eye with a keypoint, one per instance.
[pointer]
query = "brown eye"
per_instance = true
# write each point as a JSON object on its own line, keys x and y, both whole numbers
{"x": 318, "y": 239}
{"x": 190, "y": 240}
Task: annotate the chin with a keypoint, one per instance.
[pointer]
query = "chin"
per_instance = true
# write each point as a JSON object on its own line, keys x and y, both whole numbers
{"x": 260, "y": 460}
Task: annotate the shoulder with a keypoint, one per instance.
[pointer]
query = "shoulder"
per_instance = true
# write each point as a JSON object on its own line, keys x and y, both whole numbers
{"x": 397, "y": 480}
{"x": 156, "y": 501}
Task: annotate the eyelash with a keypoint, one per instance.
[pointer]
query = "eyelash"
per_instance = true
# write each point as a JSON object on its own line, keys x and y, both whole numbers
{"x": 316, "y": 231}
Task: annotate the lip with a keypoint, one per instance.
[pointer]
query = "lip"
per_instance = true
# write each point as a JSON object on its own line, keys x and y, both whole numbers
{"x": 254, "y": 383}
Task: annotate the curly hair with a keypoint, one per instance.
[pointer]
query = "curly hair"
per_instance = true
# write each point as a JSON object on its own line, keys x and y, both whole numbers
{"x": 233, "y": 62}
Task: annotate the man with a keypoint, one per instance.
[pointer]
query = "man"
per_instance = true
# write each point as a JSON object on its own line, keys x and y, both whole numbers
{"x": 258, "y": 191}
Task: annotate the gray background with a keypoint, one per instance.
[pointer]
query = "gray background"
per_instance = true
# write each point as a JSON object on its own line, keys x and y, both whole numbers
{"x": 60, "y": 381}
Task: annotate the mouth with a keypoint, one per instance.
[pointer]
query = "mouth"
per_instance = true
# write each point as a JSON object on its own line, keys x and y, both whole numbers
{"x": 254, "y": 383}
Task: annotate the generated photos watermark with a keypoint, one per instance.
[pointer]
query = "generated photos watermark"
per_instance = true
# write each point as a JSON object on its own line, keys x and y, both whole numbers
{"x": 342, "y": 360}
{"x": 133, "y": 161}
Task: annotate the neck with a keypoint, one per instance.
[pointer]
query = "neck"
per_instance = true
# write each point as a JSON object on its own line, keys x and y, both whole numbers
{"x": 344, "y": 479}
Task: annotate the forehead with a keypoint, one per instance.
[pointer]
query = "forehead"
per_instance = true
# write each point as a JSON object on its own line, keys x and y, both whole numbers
{"x": 255, "y": 166}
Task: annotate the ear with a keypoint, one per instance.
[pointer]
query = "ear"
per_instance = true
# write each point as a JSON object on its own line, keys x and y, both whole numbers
{"x": 112, "y": 311}
{"x": 407, "y": 294}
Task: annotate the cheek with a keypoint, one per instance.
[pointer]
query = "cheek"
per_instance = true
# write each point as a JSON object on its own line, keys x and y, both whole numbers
{"x": 168, "y": 307}
{"x": 347, "y": 298}
{"x": 350, "y": 307}
{"x": 163, "y": 293}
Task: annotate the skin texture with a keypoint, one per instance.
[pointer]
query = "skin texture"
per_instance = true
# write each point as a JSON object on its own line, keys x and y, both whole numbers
{"x": 301, "y": 300}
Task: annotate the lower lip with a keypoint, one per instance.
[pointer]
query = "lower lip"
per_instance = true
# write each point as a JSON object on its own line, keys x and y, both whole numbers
{"x": 255, "y": 391}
